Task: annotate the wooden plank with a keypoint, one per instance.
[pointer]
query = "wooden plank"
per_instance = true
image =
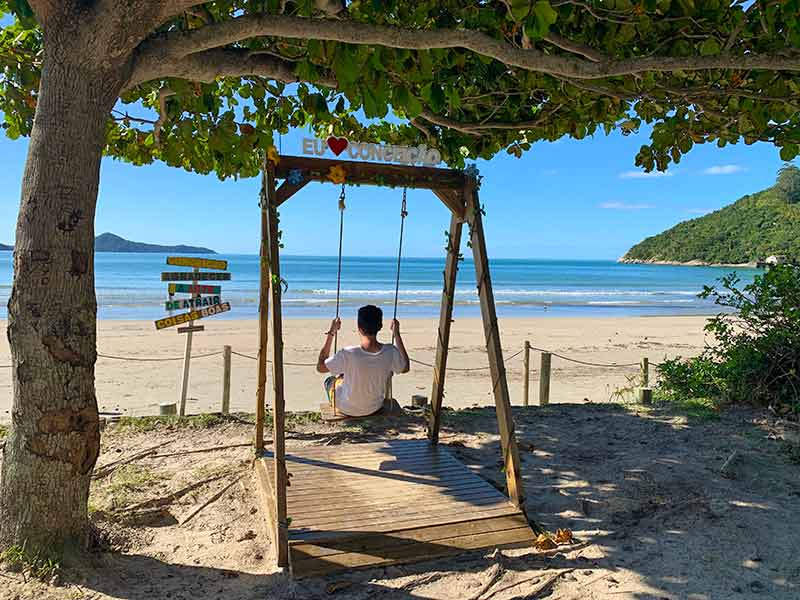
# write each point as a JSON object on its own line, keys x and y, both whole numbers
{"x": 445, "y": 321}
{"x": 197, "y": 263}
{"x": 191, "y": 329}
{"x": 287, "y": 190}
{"x": 376, "y": 488}
{"x": 279, "y": 400}
{"x": 194, "y": 315}
{"x": 494, "y": 349}
{"x": 266, "y": 496}
{"x": 354, "y": 477}
{"x": 189, "y": 288}
{"x": 317, "y": 169}
{"x": 190, "y": 276}
{"x": 453, "y": 200}
{"x": 397, "y": 447}
{"x": 394, "y": 553}
{"x": 423, "y": 534}
{"x": 311, "y": 507}
{"x": 344, "y": 519}
{"x": 423, "y": 520}
{"x": 196, "y": 302}
{"x": 263, "y": 325}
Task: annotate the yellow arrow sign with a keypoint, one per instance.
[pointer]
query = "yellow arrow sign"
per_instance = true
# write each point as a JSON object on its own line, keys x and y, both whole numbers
{"x": 197, "y": 263}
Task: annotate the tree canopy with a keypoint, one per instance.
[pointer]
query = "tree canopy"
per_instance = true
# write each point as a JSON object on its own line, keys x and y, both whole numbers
{"x": 211, "y": 82}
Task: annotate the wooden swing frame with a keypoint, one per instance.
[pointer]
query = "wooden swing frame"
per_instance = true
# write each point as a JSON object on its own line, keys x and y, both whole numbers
{"x": 459, "y": 193}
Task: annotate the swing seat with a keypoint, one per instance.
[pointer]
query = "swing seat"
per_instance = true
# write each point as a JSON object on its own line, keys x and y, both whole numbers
{"x": 390, "y": 409}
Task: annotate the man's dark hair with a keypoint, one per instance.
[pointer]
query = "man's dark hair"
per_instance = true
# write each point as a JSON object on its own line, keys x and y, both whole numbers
{"x": 370, "y": 319}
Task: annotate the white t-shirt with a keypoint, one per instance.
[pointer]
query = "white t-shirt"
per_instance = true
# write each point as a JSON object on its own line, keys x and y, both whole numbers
{"x": 365, "y": 374}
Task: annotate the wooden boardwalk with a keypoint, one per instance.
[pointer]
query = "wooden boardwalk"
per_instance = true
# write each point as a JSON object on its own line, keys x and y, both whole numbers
{"x": 368, "y": 505}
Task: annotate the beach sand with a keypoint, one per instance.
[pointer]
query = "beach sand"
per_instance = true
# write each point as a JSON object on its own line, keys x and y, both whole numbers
{"x": 136, "y": 388}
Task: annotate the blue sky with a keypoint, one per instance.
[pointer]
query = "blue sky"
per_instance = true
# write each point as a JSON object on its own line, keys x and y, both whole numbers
{"x": 569, "y": 199}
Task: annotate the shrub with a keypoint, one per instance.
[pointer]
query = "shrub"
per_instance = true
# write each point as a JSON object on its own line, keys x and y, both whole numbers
{"x": 756, "y": 355}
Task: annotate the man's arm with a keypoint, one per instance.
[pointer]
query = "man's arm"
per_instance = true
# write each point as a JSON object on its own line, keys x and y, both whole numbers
{"x": 398, "y": 340}
{"x": 336, "y": 324}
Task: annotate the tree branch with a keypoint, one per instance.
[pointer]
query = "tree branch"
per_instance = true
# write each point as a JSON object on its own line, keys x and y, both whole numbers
{"x": 477, "y": 128}
{"x": 221, "y": 62}
{"x": 574, "y": 47}
{"x": 180, "y": 44}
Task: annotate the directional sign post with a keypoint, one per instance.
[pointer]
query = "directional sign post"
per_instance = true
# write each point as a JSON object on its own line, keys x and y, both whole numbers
{"x": 204, "y": 301}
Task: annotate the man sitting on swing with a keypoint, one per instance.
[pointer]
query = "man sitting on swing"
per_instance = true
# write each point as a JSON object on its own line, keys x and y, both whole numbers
{"x": 359, "y": 373}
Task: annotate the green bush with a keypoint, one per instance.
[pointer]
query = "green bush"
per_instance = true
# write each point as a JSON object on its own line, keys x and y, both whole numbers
{"x": 756, "y": 355}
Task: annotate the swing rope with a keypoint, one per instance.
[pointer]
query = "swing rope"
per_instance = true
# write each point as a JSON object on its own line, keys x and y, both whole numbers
{"x": 338, "y": 284}
{"x": 403, "y": 215}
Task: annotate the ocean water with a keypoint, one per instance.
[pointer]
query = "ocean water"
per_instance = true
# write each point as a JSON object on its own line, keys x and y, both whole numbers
{"x": 129, "y": 286}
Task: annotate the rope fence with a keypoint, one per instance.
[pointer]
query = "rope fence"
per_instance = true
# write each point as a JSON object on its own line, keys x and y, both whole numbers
{"x": 645, "y": 391}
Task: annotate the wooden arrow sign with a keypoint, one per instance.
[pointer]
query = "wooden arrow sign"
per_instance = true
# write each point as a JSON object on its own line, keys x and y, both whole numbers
{"x": 192, "y": 276}
{"x": 197, "y": 263}
{"x": 192, "y": 315}
{"x": 188, "y": 288}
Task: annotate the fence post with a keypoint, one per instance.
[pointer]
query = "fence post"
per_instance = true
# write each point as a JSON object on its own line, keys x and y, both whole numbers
{"x": 544, "y": 379}
{"x": 526, "y": 384}
{"x": 645, "y": 372}
{"x": 226, "y": 379}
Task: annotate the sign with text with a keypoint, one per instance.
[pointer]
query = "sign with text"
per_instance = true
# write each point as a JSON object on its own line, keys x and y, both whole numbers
{"x": 192, "y": 303}
{"x": 191, "y": 276}
{"x": 406, "y": 155}
{"x": 197, "y": 263}
{"x": 188, "y": 288}
{"x": 194, "y": 315}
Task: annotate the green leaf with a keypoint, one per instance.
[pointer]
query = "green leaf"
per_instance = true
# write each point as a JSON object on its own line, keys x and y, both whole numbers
{"x": 789, "y": 152}
{"x": 520, "y": 9}
{"x": 710, "y": 47}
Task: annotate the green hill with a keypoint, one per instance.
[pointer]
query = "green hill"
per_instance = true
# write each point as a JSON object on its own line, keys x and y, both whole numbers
{"x": 750, "y": 229}
{"x": 108, "y": 242}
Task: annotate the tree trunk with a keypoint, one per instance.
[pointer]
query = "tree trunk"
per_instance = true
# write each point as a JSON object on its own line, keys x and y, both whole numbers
{"x": 55, "y": 439}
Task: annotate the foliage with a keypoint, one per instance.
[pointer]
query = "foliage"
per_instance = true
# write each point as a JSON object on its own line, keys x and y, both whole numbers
{"x": 38, "y": 564}
{"x": 788, "y": 184}
{"x": 3, "y": 431}
{"x": 750, "y": 229}
{"x": 756, "y": 356}
{"x": 468, "y": 105}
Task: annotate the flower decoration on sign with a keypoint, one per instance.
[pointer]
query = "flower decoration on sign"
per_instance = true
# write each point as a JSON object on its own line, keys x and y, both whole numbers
{"x": 273, "y": 156}
{"x": 295, "y": 177}
{"x": 472, "y": 171}
{"x": 337, "y": 174}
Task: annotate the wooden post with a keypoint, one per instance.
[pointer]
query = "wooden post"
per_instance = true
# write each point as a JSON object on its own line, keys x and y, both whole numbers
{"x": 278, "y": 400}
{"x": 526, "y": 383}
{"x": 544, "y": 379}
{"x": 226, "y": 380}
{"x": 187, "y": 356}
{"x": 263, "y": 316}
{"x": 502, "y": 400}
{"x": 645, "y": 372}
{"x": 445, "y": 320}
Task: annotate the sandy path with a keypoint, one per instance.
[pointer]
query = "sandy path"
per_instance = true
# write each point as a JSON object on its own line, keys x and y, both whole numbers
{"x": 136, "y": 388}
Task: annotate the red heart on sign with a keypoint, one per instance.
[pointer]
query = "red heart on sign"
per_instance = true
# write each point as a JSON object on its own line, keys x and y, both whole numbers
{"x": 337, "y": 145}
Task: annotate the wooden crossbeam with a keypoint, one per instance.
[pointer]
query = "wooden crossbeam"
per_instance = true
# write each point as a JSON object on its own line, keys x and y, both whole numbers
{"x": 364, "y": 173}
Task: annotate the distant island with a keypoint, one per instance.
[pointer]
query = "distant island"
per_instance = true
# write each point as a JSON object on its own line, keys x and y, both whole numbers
{"x": 108, "y": 242}
{"x": 744, "y": 233}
